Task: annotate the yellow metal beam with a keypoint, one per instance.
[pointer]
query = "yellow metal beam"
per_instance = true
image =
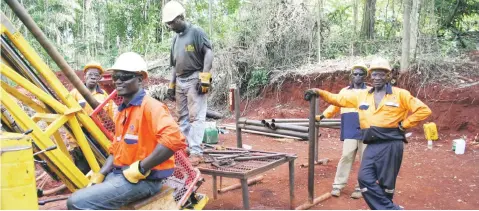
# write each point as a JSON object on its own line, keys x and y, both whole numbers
{"x": 26, "y": 100}
{"x": 83, "y": 144}
{"x": 60, "y": 160}
{"x": 40, "y": 94}
{"x": 31, "y": 56}
{"x": 45, "y": 117}
{"x": 52, "y": 128}
{"x": 57, "y": 106}
{"x": 61, "y": 145}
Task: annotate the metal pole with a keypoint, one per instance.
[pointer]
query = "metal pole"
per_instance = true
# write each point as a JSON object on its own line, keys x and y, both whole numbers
{"x": 23, "y": 15}
{"x": 312, "y": 146}
{"x": 291, "y": 184}
{"x": 239, "y": 141}
{"x": 244, "y": 189}
{"x": 316, "y": 150}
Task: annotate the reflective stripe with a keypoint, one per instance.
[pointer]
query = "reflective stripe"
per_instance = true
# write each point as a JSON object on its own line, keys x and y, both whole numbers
{"x": 394, "y": 104}
{"x": 130, "y": 136}
{"x": 131, "y": 139}
{"x": 364, "y": 190}
{"x": 389, "y": 190}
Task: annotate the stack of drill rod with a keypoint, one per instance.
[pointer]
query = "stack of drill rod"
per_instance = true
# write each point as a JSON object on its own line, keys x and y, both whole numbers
{"x": 297, "y": 128}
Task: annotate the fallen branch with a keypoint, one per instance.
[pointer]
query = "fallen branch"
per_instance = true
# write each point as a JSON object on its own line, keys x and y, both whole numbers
{"x": 238, "y": 185}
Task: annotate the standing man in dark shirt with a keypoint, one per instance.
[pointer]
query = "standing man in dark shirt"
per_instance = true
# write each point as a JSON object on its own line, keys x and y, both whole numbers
{"x": 191, "y": 60}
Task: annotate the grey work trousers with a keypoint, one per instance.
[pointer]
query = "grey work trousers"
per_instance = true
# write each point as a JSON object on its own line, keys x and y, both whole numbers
{"x": 191, "y": 110}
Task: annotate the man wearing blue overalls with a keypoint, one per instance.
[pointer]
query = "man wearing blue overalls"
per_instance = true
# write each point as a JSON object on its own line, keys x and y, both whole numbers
{"x": 383, "y": 120}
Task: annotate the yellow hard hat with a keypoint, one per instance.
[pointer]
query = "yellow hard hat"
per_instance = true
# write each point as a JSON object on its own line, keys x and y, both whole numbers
{"x": 379, "y": 64}
{"x": 359, "y": 65}
{"x": 171, "y": 10}
{"x": 131, "y": 62}
{"x": 93, "y": 65}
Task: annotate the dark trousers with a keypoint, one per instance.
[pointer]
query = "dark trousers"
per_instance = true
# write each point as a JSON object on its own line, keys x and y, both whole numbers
{"x": 379, "y": 169}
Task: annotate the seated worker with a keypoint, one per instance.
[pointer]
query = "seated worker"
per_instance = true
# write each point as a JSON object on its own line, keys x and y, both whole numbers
{"x": 92, "y": 73}
{"x": 350, "y": 133}
{"x": 141, "y": 156}
{"x": 383, "y": 118}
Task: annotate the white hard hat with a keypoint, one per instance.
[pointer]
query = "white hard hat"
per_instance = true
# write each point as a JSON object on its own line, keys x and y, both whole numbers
{"x": 171, "y": 10}
{"x": 131, "y": 62}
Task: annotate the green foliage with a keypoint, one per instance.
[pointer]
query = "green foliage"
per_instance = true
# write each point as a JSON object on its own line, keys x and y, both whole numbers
{"x": 271, "y": 34}
{"x": 258, "y": 79}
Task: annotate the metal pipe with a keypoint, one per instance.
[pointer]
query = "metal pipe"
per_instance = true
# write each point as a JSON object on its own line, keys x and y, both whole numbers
{"x": 299, "y": 120}
{"x": 259, "y": 157}
{"x": 318, "y": 124}
{"x": 316, "y": 149}
{"x": 312, "y": 143}
{"x": 239, "y": 141}
{"x": 303, "y": 136}
{"x": 298, "y": 128}
{"x": 251, "y": 122}
{"x": 23, "y": 15}
{"x": 291, "y": 184}
{"x": 263, "y": 133}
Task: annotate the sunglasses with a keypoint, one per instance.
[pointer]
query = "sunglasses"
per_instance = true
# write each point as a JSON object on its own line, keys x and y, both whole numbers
{"x": 124, "y": 77}
{"x": 359, "y": 74}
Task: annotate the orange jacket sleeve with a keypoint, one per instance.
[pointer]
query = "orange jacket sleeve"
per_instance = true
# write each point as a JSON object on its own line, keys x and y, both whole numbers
{"x": 167, "y": 131}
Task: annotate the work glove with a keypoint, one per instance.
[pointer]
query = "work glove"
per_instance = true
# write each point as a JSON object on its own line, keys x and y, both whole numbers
{"x": 171, "y": 91}
{"x": 319, "y": 117}
{"x": 310, "y": 93}
{"x": 96, "y": 178}
{"x": 133, "y": 173}
{"x": 204, "y": 84}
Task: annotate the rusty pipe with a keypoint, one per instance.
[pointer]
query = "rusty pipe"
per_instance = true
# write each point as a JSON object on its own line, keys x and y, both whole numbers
{"x": 303, "y": 136}
{"x": 27, "y": 20}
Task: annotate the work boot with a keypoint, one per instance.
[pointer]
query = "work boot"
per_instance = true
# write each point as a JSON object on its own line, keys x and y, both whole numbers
{"x": 336, "y": 192}
{"x": 357, "y": 194}
{"x": 196, "y": 159}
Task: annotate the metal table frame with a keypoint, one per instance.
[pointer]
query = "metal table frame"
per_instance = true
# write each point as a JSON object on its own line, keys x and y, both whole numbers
{"x": 243, "y": 176}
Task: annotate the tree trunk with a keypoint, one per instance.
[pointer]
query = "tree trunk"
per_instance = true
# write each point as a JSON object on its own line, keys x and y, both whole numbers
{"x": 319, "y": 29}
{"x": 367, "y": 28}
{"x": 414, "y": 26}
{"x": 406, "y": 31}
{"x": 355, "y": 15}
